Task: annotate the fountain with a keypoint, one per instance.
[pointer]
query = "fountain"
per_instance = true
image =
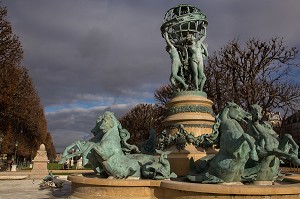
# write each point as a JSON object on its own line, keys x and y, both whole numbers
{"x": 245, "y": 164}
{"x": 184, "y": 30}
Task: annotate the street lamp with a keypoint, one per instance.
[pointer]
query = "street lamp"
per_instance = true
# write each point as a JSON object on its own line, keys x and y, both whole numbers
{"x": 17, "y": 143}
{"x": 1, "y": 139}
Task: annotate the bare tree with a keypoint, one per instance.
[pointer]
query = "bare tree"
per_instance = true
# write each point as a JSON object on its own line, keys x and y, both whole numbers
{"x": 140, "y": 120}
{"x": 163, "y": 94}
{"x": 256, "y": 72}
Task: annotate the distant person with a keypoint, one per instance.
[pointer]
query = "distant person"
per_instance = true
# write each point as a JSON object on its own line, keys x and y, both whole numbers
{"x": 66, "y": 165}
{"x": 9, "y": 163}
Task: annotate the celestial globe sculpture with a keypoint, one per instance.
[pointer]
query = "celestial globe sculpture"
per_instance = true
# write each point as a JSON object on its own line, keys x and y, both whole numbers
{"x": 184, "y": 29}
{"x": 183, "y": 20}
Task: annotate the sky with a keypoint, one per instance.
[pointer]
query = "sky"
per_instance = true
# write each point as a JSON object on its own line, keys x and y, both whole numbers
{"x": 89, "y": 56}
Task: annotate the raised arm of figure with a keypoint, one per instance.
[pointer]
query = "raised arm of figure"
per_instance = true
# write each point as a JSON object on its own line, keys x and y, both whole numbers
{"x": 166, "y": 36}
{"x": 203, "y": 35}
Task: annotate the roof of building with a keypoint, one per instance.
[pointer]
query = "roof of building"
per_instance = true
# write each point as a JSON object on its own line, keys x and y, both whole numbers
{"x": 294, "y": 118}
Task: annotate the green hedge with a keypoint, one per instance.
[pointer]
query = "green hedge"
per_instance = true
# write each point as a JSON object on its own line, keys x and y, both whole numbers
{"x": 55, "y": 166}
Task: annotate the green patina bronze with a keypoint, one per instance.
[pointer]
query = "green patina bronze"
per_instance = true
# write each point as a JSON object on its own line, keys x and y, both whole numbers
{"x": 182, "y": 138}
{"x": 110, "y": 155}
{"x": 184, "y": 30}
{"x": 148, "y": 146}
{"x": 244, "y": 156}
{"x": 159, "y": 169}
{"x": 270, "y": 148}
{"x": 190, "y": 108}
{"x": 190, "y": 125}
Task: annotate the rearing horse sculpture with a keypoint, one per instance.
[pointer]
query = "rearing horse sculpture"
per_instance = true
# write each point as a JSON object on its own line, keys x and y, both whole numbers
{"x": 110, "y": 155}
{"x": 270, "y": 147}
{"x": 236, "y": 147}
{"x": 244, "y": 156}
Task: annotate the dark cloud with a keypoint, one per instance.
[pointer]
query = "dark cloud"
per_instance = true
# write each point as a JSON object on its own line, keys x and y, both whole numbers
{"x": 100, "y": 48}
{"x": 73, "y": 124}
{"x": 86, "y": 52}
{"x": 95, "y": 45}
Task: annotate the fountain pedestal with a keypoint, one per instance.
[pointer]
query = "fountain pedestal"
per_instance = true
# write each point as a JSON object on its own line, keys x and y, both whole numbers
{"x": 194, "y": 111}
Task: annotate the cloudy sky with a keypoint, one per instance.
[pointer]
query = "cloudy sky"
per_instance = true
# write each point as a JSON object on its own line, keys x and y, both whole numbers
{"x": 87, "y": 56}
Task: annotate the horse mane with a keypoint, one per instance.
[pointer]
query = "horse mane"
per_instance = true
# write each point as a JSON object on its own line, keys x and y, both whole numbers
{"x": 215, "y": 135}
{"x": 125, "y": 135}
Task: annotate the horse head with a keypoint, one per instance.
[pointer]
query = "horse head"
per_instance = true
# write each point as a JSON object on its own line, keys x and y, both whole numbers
{"x": 256, "y": 112}
{"x": 105, "y": 123}
{"x": 96, "y": 130}
{"x": 235, "y": 112}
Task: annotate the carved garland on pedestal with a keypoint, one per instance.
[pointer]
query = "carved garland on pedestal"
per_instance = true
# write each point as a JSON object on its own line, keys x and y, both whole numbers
{"x": 190, "y": 126}
{"x": 190, "y": 108}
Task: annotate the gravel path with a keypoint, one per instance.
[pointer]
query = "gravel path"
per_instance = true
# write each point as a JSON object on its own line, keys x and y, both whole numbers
{"x": 26, "y": 189}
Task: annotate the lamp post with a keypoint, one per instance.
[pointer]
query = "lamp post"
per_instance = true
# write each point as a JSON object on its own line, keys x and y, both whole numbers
{"x": 1, "y": 139}
{"x": 17, "y": 143}
{"x": 72, "y": 160}
{"x": 14, "y": 166}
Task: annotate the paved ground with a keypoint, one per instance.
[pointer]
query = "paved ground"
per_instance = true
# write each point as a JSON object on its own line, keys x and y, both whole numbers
{"x": 17, "y": 185}
{"x": 26, "y": 189}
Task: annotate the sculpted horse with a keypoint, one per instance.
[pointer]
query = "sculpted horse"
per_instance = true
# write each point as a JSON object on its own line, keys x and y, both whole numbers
{"x": 269, "y": 147}
{"x": 109, "y": 152}
{"x": 244, "y": 156}
{"x": 236, "y": 147}
{"x": 110, "y": 155}
{"x": 82, "y": 148}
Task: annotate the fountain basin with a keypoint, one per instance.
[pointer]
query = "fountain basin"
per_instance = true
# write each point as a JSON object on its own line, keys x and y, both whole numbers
{"x": 90, "y": 186}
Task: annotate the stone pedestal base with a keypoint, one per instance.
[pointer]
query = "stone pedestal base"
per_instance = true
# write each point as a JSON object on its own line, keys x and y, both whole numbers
{"x": 40, "y": 162}
{"x": 13, "y": 167}
{"x": 180, "y": 160}
{"x": 194, "y": 111}
{"x": 39, "y": 169}
{"x": 38, "y": 174}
